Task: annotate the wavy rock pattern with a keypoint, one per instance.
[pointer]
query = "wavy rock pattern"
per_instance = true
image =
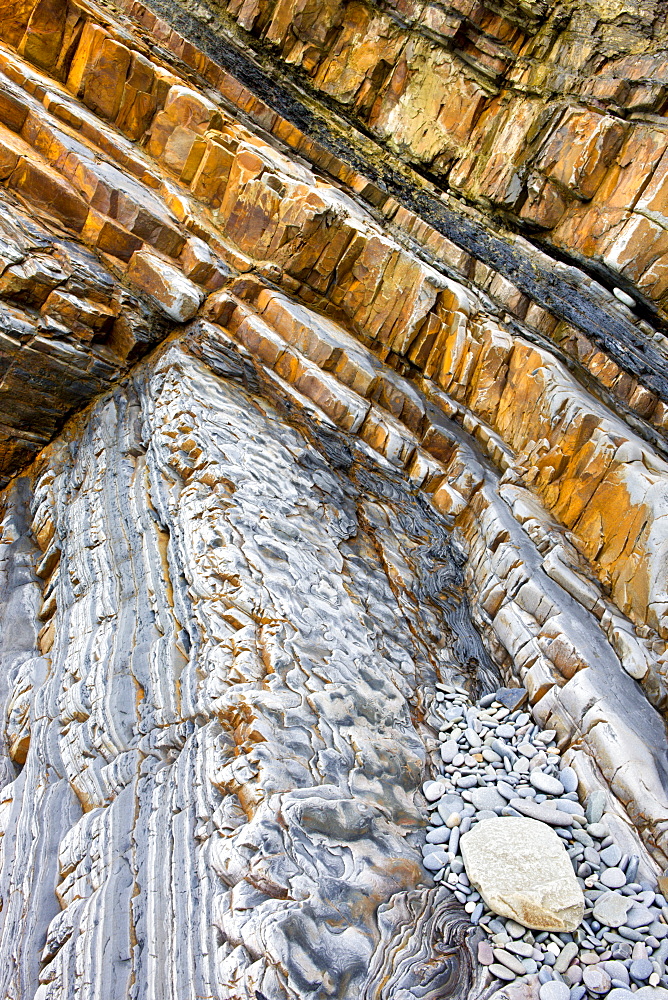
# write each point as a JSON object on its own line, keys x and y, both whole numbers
{"x": 218, "y": 721}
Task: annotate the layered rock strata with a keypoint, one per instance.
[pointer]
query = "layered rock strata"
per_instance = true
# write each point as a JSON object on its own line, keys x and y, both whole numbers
{"x": 461, "y": 90}
{"x": 386, "y": 442}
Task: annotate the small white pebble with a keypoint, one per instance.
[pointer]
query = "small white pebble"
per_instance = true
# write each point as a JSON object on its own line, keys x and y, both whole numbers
{"x": 623, "y": 297}
{"x": 433, "y": 790}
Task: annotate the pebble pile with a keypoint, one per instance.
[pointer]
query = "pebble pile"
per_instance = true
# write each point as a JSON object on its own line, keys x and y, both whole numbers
{"x": 497, "y": 762}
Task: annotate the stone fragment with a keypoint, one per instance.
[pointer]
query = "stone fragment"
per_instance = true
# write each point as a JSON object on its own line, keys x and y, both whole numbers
{"x": 115, "y": 240}
{"x": 541, "y": 812}
{"x": 611, "y": 908}
{"x": 511, "y": 698}
{"x": 45, "y": 188}
{"x": 522, "y": 871}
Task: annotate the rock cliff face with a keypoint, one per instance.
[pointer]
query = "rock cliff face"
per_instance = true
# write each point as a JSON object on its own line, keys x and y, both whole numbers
{"x": 334, "y": 369}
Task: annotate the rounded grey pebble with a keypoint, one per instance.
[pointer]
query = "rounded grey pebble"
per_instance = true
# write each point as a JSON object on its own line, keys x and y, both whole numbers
{"x": 577, "y": 992}
{"x": 440, "y": 835}
{"x": 641, "y": 969}
{"x": 449, "y": 751}
{"x": 624, "y": 297}
{"x": 595, "y": 806}
{"x": 617, "y": 970}
{"x": 485, "y": 814}
{"x": 639, "y": 916}
{"x": 651, "y": 993}
{"x": 632, "y": 935}
{"x": 472, "y": 738}
{"x": 613, "y": 878}
{"x": 435, "y": 861}
{"x": 611, "y": 856}
{"x": 553, "y": 990}
{"x": 501, "y": 972}
{"x": 620, "y": 994}
{"x": 569, "y": 779}
{"x": 487, "y": 799}
{"x": 596, "y": 979}
{"x": 515, "y": 930}
{"x": 544, "y": 783}
{"x": 467, "y": 781}
{"x": 450, "y": 803}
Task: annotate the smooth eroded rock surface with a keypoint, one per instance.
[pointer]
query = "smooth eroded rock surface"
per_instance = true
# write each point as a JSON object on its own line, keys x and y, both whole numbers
{"x": 522, "y": 871}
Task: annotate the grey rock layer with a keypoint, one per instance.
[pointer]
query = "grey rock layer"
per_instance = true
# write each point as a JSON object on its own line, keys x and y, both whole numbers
{"x": 213, "y": 671}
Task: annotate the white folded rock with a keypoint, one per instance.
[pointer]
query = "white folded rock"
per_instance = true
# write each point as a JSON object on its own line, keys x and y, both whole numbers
{"x": 521, "y": 869}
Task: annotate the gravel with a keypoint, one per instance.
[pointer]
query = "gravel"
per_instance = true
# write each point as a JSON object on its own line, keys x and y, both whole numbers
{"x": 494, "y": 761}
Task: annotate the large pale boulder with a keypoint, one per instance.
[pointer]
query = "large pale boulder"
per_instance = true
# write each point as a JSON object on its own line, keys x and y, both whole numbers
{"x": 521, "y": 869}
